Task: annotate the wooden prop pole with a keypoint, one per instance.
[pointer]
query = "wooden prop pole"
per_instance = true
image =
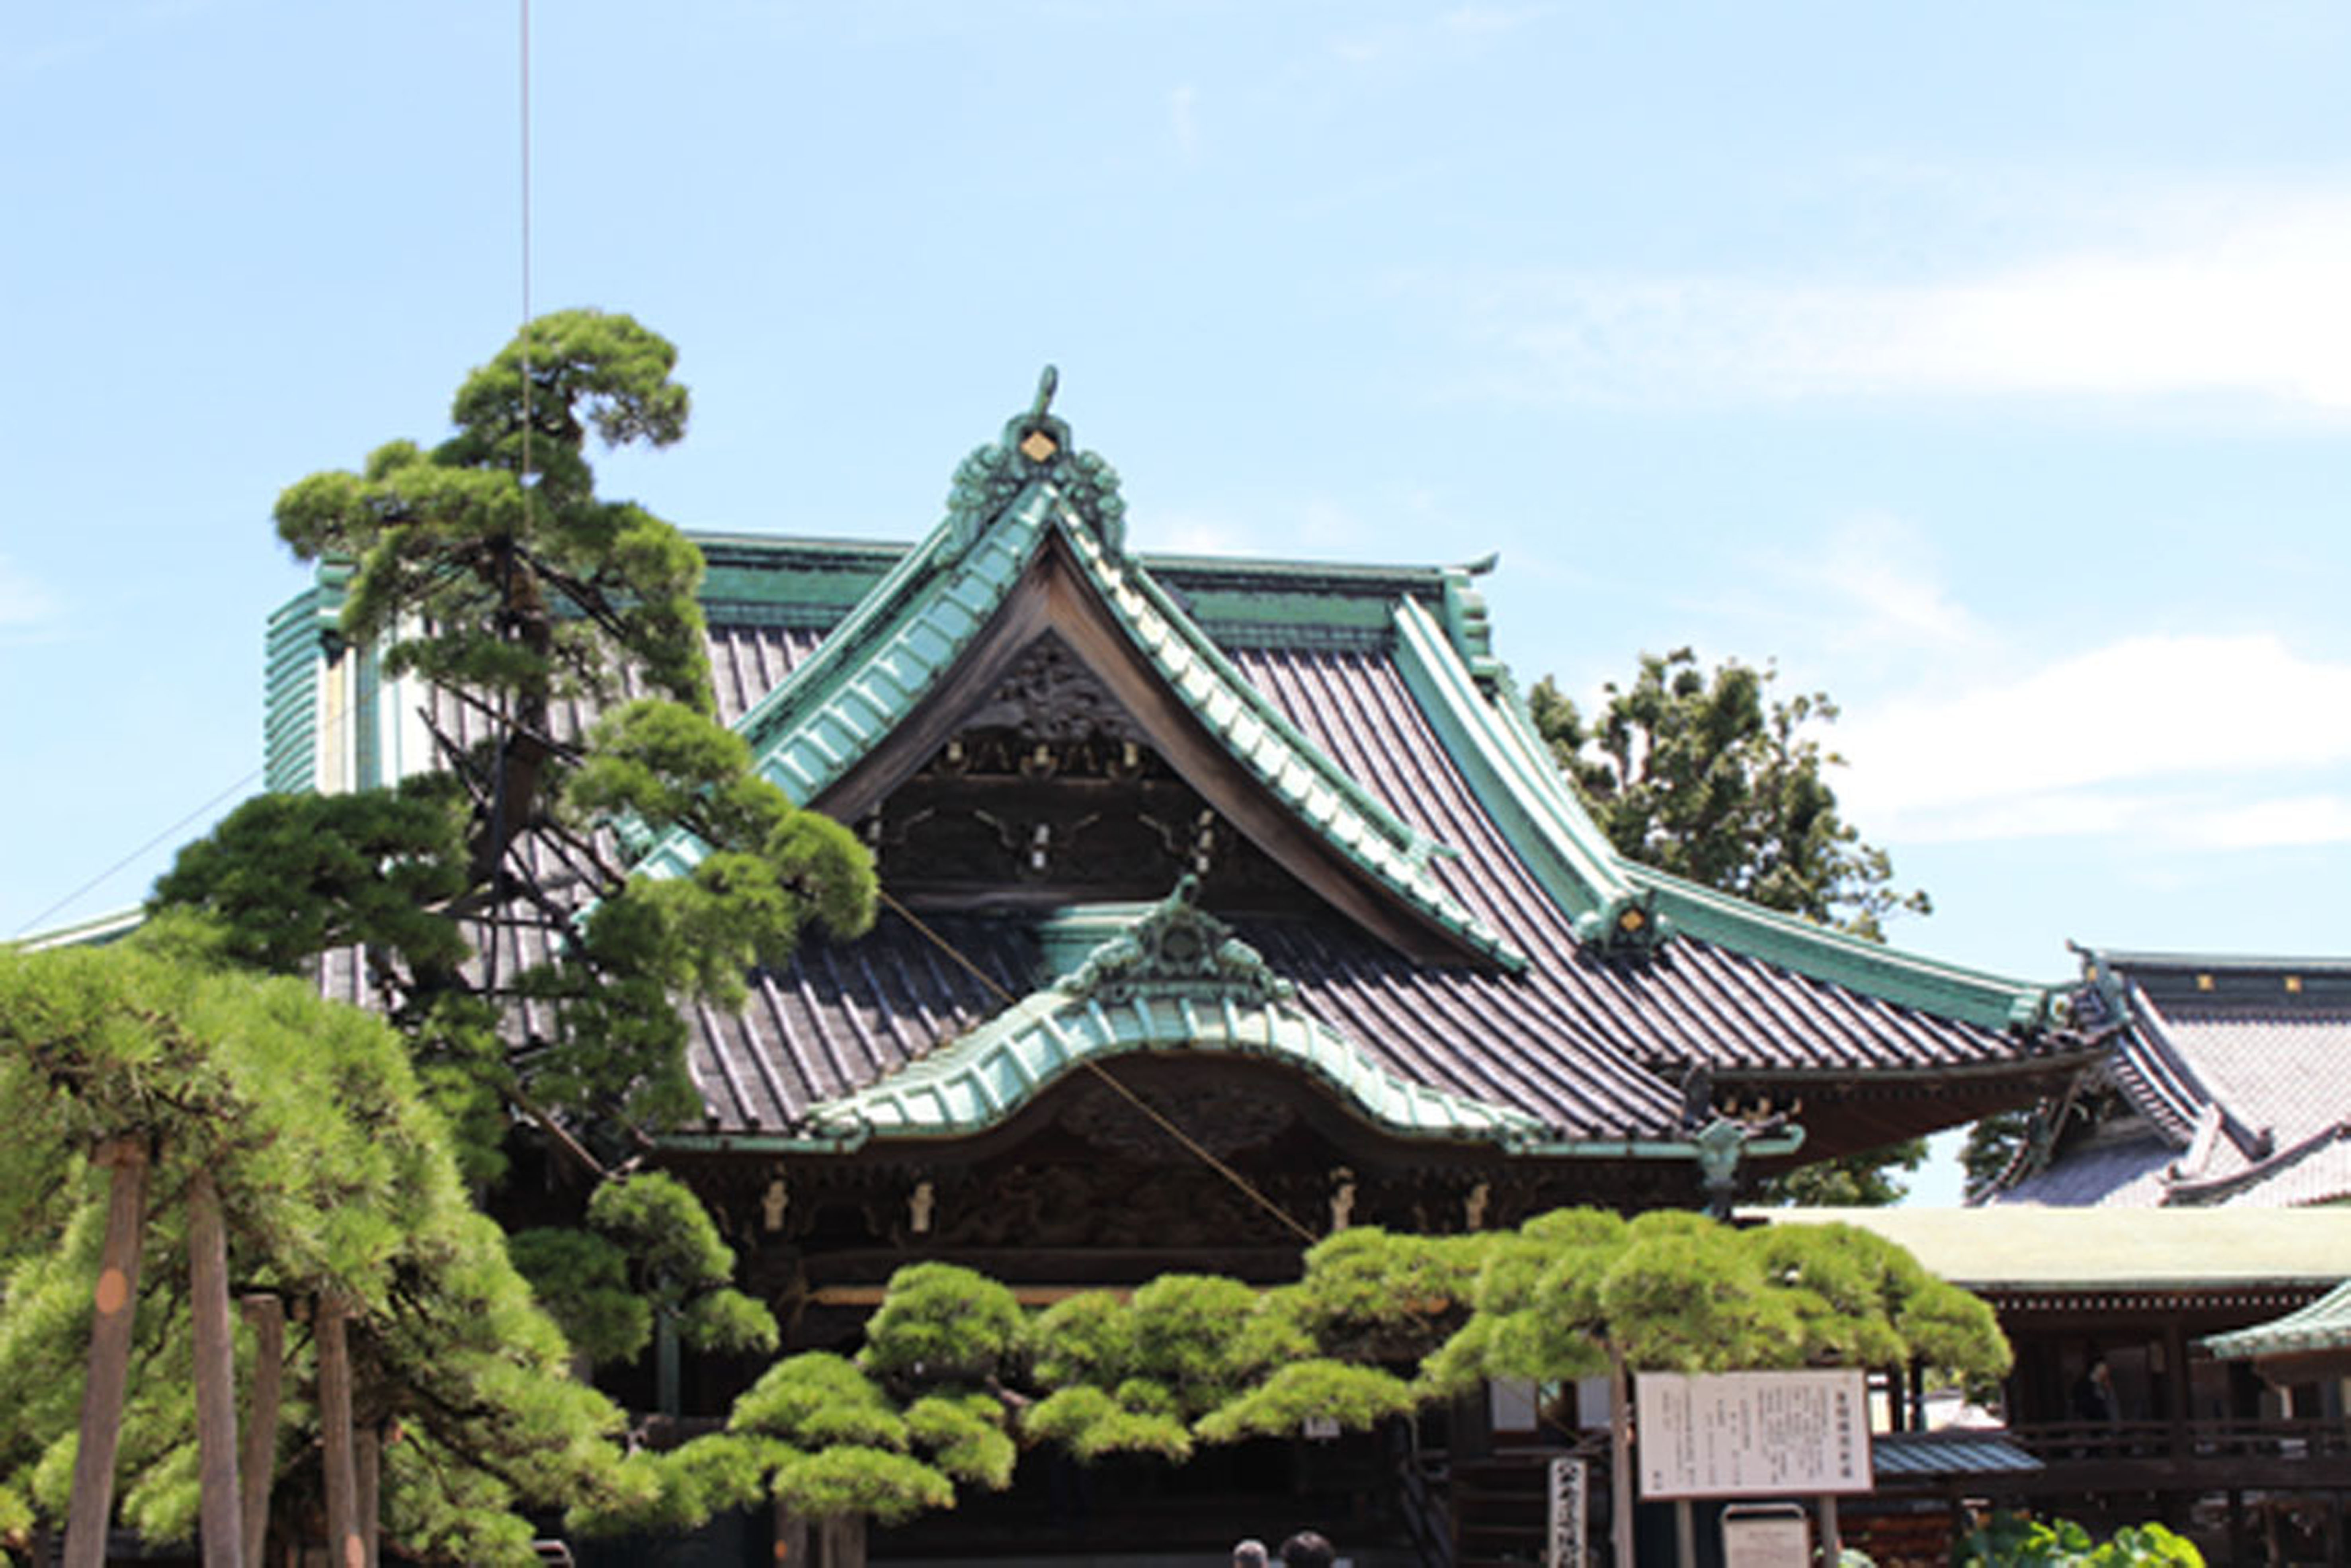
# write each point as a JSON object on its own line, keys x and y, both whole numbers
{"x": 344, "y": 1548}
{"x": 1620, "y": 1457}
{"x": 220, "y": 1521}
{"x": 116, "y": 1300}
{"x": 367, "y": 1457}
{"x": 267, "y": 1317}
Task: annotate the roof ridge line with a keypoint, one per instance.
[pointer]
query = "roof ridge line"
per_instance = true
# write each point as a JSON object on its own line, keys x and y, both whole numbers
{"x": 1523, "y": 799}
{"x": 1891, "y": 974}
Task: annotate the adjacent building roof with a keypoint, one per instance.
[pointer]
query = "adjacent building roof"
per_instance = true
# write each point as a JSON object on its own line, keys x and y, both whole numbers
{"x": 2323, "y": 1327}
{"x": 2230, "y": 1080}
{"x": 2042, "y": 1251}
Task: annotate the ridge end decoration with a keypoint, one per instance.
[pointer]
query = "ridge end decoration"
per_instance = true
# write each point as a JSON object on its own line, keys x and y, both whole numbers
{"x": 1035, "y": 446}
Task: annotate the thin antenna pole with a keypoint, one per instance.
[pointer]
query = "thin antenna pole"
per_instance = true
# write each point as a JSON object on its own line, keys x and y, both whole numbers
{"x": 505, "y": 615}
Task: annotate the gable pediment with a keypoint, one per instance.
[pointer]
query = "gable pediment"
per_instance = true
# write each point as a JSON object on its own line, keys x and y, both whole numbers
{"x": 1020, "y": 617}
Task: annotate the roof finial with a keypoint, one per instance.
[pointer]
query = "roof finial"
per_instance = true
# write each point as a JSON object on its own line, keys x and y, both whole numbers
{"x": 1047, "y": 382}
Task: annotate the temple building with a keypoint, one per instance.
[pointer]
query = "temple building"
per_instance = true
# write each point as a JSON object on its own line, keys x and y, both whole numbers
{"x": 2223, "y": 1087}
{"x": 1227, "y": 903}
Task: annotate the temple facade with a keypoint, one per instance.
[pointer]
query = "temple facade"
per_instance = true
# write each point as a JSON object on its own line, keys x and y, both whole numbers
{"x": 1227, "y": 904}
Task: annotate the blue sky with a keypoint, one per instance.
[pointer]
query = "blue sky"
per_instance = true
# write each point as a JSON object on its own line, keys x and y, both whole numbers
{"x": 1989, "y": 367}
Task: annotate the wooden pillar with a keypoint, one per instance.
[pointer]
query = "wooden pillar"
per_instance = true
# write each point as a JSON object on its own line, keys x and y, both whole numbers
{"x": 116, "y": 1301}
{"x": 845, "y": 1541}
{"x": 221, "y": 1500}
{"x": 367, "y": 1461}
{"x": 266, "y": 1316}
{"x": 344, "y": 1548}
{"x": 1685, "y": 1533}
{"x": 1832, "y": 1537}
{"x": 1620, "y": 1457}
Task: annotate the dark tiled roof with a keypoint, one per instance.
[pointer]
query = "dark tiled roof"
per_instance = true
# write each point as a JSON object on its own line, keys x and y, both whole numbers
{"x": 2242, "y": 1069}
{"x": 1694, "y": 1001}
{"x": 1593, "y": 1047}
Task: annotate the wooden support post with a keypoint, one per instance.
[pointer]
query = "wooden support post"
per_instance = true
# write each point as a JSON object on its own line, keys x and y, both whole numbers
{"x": 1620, "y": 1457}
{"x": 1685, "y": 1533}
{"x": 1832, "y": 1537}
{"x": 845, "y": 1541}
{"x": 344, "y": 1548}
{"x": 116, "y": 1301}
{"x": 367, "y": 1461}
{"x": 221, "y": 1520}
{"x": 267, "y": 1317}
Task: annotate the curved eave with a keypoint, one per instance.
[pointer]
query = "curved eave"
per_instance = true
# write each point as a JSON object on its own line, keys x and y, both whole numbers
{"x": 984, "y": 1079}
{"x": 2324, "y": 1325}
{"x": 1928, "y": 985}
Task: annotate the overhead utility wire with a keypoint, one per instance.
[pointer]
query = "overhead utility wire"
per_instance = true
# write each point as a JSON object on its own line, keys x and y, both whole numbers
{"x": 100, "y": 878}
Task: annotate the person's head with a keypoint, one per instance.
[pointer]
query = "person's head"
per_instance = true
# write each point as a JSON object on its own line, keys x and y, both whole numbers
{"x": 1306, "y": 1549}
{"x": 1249, "y": 1553}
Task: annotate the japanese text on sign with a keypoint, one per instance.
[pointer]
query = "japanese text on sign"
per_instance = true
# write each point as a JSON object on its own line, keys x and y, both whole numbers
{"x": 1752, "y": 1434}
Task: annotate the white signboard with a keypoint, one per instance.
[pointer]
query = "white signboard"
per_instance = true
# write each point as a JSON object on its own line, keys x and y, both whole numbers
{"x": 1566, "y": 1531}
{"x": 1752, "y": 1434}
{"x": 1767, "y": 1540}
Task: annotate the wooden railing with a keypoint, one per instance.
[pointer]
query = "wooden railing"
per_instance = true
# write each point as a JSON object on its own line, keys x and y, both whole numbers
{"x": 2057, "y": 1442}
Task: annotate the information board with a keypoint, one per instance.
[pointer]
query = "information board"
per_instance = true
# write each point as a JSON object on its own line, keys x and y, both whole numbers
{"x": 1751, "y": 1434}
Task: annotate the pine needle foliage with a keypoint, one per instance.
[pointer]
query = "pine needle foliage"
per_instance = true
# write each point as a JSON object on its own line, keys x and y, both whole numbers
{"x": 1672, "y": 1291}
{"x": 337, "y": 1181}
{"x": 489, "y": 567}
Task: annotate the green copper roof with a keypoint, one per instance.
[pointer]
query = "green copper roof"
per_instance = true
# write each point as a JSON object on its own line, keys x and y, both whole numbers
{"x": 1514, "y": 778}
{"x": 2324, "y": 1324}
{"x": 1174, "y": 980}
{"x": 911, "y": 628}
{"x": 1615, "y": 901}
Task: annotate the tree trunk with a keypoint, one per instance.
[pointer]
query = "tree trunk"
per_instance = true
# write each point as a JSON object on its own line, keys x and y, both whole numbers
{"x": 221, "y": 1522}
{"x": 344, "y": 1548}
{"x": 116, "y": 1300}
{"x": 266, "y": 1314}
{"x": 367, "y": 1454}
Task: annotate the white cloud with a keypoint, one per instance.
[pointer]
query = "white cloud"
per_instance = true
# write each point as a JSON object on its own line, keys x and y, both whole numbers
{"x": 2267, "y": 824}
{"x": 2250, "y": 310}
{"x": 1183, "y": 119}
{"x": 25, "y": 604}
{"x": 2200, "y": 741}
{"x": 1482, "y": 19}
{"x": 1872, "y": 581}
